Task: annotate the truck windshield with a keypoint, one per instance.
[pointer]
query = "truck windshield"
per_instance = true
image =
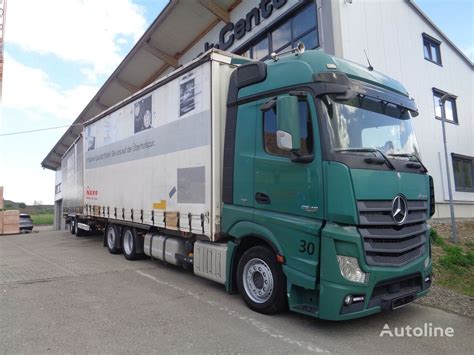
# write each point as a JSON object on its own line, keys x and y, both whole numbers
{"x": 363, "y": 123}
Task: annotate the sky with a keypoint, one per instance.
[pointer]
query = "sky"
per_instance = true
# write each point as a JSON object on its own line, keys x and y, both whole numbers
{"x": 58, "y": 53}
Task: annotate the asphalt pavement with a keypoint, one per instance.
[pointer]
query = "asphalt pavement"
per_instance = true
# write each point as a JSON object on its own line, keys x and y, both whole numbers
{"x": 62, "y": 294}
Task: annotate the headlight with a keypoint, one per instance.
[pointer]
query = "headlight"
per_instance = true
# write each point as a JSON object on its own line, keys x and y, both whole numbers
{"x": 350, "y": 269}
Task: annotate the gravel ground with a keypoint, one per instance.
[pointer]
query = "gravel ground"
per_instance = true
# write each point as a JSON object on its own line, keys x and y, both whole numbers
{"x": 449, "y": 300}
{"x": 443, "y": 298}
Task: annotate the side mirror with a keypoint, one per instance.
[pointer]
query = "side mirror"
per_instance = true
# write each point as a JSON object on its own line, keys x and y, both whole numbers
{"x": 288, "y": 123}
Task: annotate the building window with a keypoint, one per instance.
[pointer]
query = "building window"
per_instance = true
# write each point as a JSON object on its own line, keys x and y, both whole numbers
{"x": 260, "y": 50}
{"x": 463, "y": 169}
{"x": 431, "y": 49}
{"x": 449, "y": 106}
{"x": 306, "y": 132}
{"x": 300, "y": 27}
{"x": 57, "y": 188}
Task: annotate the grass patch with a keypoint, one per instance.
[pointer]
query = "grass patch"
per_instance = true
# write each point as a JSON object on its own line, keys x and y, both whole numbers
{"x": 44, "y": 219}
{"x": 453, "y": 264}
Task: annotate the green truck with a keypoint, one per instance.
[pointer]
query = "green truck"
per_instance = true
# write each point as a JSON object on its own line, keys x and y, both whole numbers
{"x": 295, "y": 182}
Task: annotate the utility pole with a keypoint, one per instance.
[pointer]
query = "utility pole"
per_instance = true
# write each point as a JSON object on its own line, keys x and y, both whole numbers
{"x": 442, "y": 100}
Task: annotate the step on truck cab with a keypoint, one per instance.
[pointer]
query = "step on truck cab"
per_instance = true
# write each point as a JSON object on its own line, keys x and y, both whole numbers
{"x": 296, "y": 182}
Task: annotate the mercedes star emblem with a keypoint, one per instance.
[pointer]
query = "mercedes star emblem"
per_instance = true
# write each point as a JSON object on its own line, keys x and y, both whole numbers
{"x": 399, "y": 209}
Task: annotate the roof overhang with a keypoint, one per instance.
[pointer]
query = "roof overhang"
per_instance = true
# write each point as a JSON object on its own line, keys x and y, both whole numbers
{"x": 177, "y": 29}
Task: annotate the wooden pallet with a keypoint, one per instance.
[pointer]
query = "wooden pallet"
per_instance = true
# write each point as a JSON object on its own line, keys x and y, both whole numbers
{"x": 10, "y": 222}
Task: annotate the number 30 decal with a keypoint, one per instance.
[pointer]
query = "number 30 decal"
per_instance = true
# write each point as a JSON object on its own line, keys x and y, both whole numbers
{"x": 306, "y": 247}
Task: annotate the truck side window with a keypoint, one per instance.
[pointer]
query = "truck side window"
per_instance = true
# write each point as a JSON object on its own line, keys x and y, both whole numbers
{"x": 306, "y": 131}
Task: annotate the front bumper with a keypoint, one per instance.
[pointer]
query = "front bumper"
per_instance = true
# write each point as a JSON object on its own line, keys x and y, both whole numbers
{"x": 388, "y": 287}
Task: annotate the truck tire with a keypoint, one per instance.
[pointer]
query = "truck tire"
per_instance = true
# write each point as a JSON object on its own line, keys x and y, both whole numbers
{"x": 78, "y": 231}
{"x": 111, "y": 236}
{"x": 72, "y": 226}
{"x": 261, "y": 281}
{"x": 130, "y": 245}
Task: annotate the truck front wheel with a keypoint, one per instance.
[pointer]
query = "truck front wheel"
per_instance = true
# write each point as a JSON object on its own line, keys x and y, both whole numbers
{"x": 111, "y": 235}
{"x": 261, "y": 281}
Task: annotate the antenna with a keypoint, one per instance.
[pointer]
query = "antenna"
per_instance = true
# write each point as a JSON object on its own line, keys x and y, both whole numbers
{"x": 370, "y": 67}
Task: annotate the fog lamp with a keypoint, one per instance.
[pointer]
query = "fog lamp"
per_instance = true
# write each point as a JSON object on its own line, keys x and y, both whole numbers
{"x": 348, "y": 300}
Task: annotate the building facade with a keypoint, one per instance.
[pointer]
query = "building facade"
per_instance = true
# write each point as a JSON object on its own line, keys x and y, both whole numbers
{"x": 396, "y": 37}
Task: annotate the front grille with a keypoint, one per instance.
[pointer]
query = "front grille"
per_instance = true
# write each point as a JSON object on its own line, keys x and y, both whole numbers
{"x": 385, "y": 242}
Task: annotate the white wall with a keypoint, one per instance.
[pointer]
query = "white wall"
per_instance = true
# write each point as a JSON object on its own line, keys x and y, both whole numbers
{"x": 391, "y": 33}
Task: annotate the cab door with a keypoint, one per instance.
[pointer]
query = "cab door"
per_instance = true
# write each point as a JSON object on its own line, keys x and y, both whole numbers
{"x": 289, "y": 195}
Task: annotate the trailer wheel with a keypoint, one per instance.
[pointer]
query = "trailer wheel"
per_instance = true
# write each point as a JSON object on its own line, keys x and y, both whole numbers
{"x": 111, "y": 235}
{"x": 72, "y": 226}
{"x": 261, "y": 281}
{"x": 130, "y": 242}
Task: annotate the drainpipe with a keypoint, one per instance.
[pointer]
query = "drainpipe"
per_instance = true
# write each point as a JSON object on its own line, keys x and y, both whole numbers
{"x": 454, "y": 235}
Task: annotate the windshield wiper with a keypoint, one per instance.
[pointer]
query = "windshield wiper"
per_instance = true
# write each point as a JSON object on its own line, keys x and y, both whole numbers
{"x": 418, "y": 164}
{"x": 369, "y": 150}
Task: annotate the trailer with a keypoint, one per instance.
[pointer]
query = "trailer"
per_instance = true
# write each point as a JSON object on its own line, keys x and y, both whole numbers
{"x": 295, "y": 182}
{"x": 72, "y": 171}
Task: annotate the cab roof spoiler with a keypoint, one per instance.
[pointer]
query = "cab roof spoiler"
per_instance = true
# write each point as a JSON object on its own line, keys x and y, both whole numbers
{"x": 345, "y": 88}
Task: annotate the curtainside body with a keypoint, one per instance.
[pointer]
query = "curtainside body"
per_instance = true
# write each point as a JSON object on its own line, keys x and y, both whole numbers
{"x": 156, "y": 160}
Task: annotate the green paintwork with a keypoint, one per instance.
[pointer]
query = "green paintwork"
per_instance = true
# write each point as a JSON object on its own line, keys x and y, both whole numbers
{"x": 315, "y": 285}
{"x": 334, "y": 287}
{"x": 290, "y": 186}
{"x": 282, "y": 223}
{"x": 244, "y": 161}
{"x": 385, "y": 185}
{"x": 293, "y": 70}
{"x": 231, "y": 247}
{"x": 340, "y": 204}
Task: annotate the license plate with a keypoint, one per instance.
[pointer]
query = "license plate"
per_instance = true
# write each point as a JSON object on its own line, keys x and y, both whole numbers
{"x": 403, "y": 301}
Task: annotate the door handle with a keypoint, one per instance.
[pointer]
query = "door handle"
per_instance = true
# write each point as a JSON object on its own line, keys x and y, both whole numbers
{"x": 309, "y": 208}
{"x": 262, "y": 198}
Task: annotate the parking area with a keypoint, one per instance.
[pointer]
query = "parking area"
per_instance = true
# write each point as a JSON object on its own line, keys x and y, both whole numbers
{"x": 59, "y": 293}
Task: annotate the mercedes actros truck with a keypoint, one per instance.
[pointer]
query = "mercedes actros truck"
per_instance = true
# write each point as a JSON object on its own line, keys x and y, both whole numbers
{"x": 296, "y": 182}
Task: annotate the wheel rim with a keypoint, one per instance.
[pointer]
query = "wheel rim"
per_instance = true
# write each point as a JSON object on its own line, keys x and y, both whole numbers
{"x": 111, "y": 237}
{"x": 258, "y": 280}
{"x": 128, "y": 242}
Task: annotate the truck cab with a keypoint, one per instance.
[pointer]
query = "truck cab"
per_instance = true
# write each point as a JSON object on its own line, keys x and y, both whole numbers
{"x": 322, "y": 169}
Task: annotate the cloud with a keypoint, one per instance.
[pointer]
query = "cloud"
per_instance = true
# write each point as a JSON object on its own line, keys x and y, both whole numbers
{"x": 32, "y": 91}
{"x": 90, "y": 32}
